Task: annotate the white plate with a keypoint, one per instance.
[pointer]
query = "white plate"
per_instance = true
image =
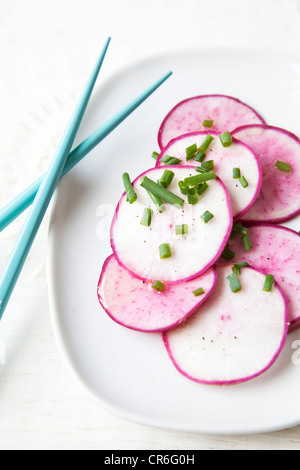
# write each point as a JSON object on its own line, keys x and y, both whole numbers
{"x": 127, "y": 372}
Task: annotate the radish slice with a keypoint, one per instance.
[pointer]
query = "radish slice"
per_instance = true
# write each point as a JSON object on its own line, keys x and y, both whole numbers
{"x": 238, "y": 155}
{"x": 135, "y": 304}
{"x": 279, "y": 198}
{"x": 226, "y": 112}
{"x": 136, "y": 247}
{"x": 232, "y": 338}
{"x": 275, "y": 250}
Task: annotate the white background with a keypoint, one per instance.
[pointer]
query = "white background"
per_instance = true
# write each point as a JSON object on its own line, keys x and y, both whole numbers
{"x": 46, "y": 50}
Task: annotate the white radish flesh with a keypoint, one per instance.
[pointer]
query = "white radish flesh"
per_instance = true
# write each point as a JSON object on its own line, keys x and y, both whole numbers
{"x": 226, "y": 112}
{"x": 279, "y": 198}
{"x": 276, "y": 250}
{"x": 137, "y": 305}
{"x": 233, "y": 337}
{"x": 136, "y": 247}
{"x": 237, "y": 155}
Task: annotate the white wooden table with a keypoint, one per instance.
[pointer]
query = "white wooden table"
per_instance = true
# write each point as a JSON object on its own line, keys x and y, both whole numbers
{"x": 45, "y": 49}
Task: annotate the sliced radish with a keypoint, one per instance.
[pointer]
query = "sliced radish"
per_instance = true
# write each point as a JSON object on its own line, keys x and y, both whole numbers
{"x": 233, "y": 337}
{"x": 226, "y": 112}
{"x": 137, "y": 305}
{"x": 275, "y": 250}
{"x": 279, "y": 198}
{"x": 237, "y": 155}
{"x": 136, "y": 247}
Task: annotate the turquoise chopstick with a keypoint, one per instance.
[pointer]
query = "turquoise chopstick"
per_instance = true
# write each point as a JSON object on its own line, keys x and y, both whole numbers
{"x": 39, "y": 206}
{"x": 21, "y": 202}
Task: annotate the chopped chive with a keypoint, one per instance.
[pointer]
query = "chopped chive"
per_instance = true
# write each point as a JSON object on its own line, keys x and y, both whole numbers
{"x": 207, "y": 216}
{"x": 155, "y": 155}
{"x": 226, "y": 139}
{"x": 161, "y": 192}
{"x": 158, "y": 202}
{"x": 181, "y": 229}
{"x": 196, "y": 179}
{"x": 182, "y": 187}
{"x": 208, "y": 165}
{"x": 190, "y": 151}
{"x": 282, "y": 165}
{"x": 238, "y": 228}
{"x": 207, "y": 123}
{"x": 201, "y": 187}
{"x": 201, "y": 169}
{"x": 167, "y": 178}
{"x": 199, "y": 291}
{"x": 246, "y": 242}
{"x": 146, "y": 217}
{"x": 228, "y": 254}
{"x": 158, "y": 285}
{"x": 131, "y": 196}
{"x": 192, "y": 195}
{"x": 236, "y": 173}
{"x": 199, "y": 157}
{"x": 243, "y": 182}
{"x": 164, "y": 251}
{"x": 234, "y": 283}
{"x": 206, "y": 142}
{"x": 269, "y": 280}
{"x": 236, "y": 268}
{"x": 168, "y": 160}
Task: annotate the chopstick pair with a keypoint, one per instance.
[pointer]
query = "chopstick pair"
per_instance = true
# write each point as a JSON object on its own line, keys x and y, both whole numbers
{"x": 39, "y": 194}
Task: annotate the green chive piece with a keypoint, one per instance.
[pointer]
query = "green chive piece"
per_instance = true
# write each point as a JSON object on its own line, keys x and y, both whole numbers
{"x": 269, "y": 280}
{"x": 243, "y": 182}
{"x": 190, "y": 151}
{"x": 155, "y": 155}
{"x": 158, "y": 285}
{"x": 164, "y": 251}
{"x": 131, "y": 196}
{"x": 238, "y": 228}
{"x": 167, "y": 178}
{"x": 192, "y": 195}
{"x": 146, "y": 217}
{"x": 181, "y": 229}
{"x": 282, "y": 165}
{"x": 228, "y": 254}
{"x": 236, "y": 268}
{"x": 201, "y": 187}
{"x": 161, "y": 192}
{"x": 234, "y": 283}
{"x": 236, "y": 173}
{"x": 199, "y": 291}
{"x": 201, "y": 169}
{"x": 207, "y": 216}
{"x": 196, "y": 179}
{"x": 182, "y": 187}
{"x": 207, "y": 123}
{"x": 206, "y": 143}
{"x": 158, "y": 202}
{"x": 226, "y": 139}
{"x": 246, "y": 242}
{"x": 208, "y": 165}
{"x": 168, "y": 160}
{"x": 199, "y": 157}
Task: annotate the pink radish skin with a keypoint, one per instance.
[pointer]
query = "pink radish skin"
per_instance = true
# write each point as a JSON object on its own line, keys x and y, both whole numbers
{"x": 279, "y": 198}
{"x": 136, "y": 305}
{"x": 233, "y": 337}
{"x": 188, "y": 115}
{"x": 136, "y": 247}
{"x": 275, "y": 250}
{"x": 225, "y": 159}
